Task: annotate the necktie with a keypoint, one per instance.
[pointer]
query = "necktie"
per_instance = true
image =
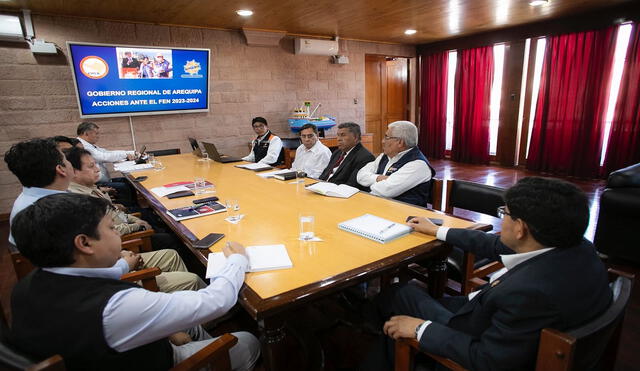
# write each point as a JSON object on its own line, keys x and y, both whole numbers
{"x": 337, "y": 164}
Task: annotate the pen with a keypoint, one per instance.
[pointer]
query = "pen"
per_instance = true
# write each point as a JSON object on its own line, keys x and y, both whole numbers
{"x": 387, "y": 228}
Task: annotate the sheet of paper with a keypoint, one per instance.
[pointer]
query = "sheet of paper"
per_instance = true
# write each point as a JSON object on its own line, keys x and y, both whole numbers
{"x": 252, "y": 166}
{"x": 163, "y": 191}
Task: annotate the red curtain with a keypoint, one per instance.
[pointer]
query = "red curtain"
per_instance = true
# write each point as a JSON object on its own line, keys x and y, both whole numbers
{"x": 569, "y": 120}
{"x": 623, "y": 148}
{"x": 474, "y": 75}
{"x": 433, "y": 105}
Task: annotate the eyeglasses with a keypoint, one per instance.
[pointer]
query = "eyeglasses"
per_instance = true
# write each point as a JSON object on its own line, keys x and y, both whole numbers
{"x": 387, "y": 138}
{"x": 305, "y": 136}
{"x": 502, "y": 211}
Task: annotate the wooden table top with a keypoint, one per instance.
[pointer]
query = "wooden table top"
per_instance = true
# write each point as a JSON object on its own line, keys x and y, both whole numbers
{"x": 272, "y": 208}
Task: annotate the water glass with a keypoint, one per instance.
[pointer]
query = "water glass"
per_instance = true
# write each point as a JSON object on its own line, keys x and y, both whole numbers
{"x": 234, "y": 208}
{"x": 199, "y": 186}
{"x": 151, "y": 158}
{"x": 157, "y": 165}
{"x": 306, "y": 226}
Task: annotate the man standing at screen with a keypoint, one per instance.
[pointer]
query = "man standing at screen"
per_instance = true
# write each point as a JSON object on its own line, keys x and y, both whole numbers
{"x": 161, "y": 66}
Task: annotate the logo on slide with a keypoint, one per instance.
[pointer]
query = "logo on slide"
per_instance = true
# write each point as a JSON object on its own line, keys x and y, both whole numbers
{"x": 94, "y": 67}
{"x": 192, "y": 68}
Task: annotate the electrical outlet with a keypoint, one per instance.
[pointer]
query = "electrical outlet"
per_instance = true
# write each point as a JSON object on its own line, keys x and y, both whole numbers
{"x": 355, "y": 100}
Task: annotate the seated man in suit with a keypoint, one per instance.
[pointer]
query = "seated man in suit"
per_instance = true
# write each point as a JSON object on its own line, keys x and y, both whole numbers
{"x": 75, "y": 304}
{"x": 89, "y": 134}
{"x": 402, "y": 172}
{"x": 552, "y": 278}
{"x": 266, "y": 148}
{"x": 349, "y": 158}
{"x": 311, "y": 156}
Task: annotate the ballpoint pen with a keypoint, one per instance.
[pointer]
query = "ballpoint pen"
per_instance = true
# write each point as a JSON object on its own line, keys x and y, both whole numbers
{"x": 387, "y": 228}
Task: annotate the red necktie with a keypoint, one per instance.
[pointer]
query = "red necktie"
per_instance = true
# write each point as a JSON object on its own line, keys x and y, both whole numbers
{"x": 337, "y": 164}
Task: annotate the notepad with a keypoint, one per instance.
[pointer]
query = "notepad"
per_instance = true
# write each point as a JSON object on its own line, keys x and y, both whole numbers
{"x": 261, "y": 258}
{"x": 129, "y": 166}
{"x": 271, "y": 174}
{"x": 375, "y": 228}
{"x": 333, "y": 190}
{"x": 255, "y": 166}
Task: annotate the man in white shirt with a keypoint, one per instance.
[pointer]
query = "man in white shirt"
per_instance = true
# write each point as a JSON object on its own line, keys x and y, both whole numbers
{"x": 76, "y": 306}
{"x": 402, "y": 172}
{"x": 267, "y": 147}
{"x": 553, "y": 278}
{"x": 311, "y": 156}
{"x": 89, "y": 134}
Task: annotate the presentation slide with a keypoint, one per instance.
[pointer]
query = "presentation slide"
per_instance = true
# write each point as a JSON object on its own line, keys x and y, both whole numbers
{"x": 123, "y": 80}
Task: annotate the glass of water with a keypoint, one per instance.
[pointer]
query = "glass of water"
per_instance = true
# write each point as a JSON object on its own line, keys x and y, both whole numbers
{"x": 306, "y": 221}
{"x": 157, "y": 165}
{"x": 234, "y": 208}
{"x": 151, "y": 158}
{"x": 198, "y": 186}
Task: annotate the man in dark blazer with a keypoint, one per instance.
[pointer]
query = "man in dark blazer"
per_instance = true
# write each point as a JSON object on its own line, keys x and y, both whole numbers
{"x": 552, "y": 278}
{"x": 350, "y": 157}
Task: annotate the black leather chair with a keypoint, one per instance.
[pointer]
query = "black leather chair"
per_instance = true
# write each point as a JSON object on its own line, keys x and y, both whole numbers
{"x": 165, "y": 152}
{"x": 465, "y": 271}
{"x": 619, "y": 216}
{"x": 592, "y": 346}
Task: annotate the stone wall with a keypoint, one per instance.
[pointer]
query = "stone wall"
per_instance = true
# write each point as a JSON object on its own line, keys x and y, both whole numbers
{"x": 37, "y": 97}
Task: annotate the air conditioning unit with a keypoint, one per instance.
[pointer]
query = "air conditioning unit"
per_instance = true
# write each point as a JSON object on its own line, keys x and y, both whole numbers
{"x": 316, "y": 47}
{"x": 10, "y": 28}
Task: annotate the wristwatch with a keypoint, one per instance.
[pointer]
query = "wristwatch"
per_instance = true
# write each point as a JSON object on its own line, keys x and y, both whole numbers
{"x": 418, "y": 330}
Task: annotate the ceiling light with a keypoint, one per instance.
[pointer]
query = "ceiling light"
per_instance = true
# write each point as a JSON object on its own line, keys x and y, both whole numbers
{"x": 538, "y": 2}
{"x": 244, "y": 12}
{"x": 410, "y": 32}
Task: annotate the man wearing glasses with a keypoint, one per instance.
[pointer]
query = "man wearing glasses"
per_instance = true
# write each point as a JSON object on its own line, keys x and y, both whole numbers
{"x": 402, "y": 172}
{"x": 311, "y": 156}
{"x": 552, "y": 278}
{"x": 267, "y": 147}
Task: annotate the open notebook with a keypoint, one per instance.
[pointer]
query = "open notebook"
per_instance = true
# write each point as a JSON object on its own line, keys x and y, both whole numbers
{"x": 261, "y": 258}
{"x": 333, "y": 190}
{"x": 375, "y": 228}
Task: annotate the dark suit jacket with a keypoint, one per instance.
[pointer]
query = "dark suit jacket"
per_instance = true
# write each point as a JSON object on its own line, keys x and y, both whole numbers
{"x": 348, "y": 170}
{"x": 499, "y": 328}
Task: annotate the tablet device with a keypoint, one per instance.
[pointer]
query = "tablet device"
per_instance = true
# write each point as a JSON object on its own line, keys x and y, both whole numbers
{"x": 208, "y": 240}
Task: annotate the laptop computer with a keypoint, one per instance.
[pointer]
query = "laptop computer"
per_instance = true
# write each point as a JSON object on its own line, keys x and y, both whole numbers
{"x": 195, "y": 147}
{"x": 216, "y": 156}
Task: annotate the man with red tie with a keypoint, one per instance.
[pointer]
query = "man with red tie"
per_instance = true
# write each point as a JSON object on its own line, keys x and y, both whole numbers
{"x": 349, "y": 158}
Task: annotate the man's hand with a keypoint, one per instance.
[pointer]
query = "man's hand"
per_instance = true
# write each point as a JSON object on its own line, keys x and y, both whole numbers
{"x": 402, "y": 327}
{"x": 381, "y": 178}
{"x": 143, "y": 223}
{"x": 131, "y": 157}
{"x": 109, "y": 190}
{"x": 234, "y": 248}
{"x": 120, "y": 207}
{"x": 423, "y": 225}
{"x": 180, "y": 338}
{"x": 134, "y": 260}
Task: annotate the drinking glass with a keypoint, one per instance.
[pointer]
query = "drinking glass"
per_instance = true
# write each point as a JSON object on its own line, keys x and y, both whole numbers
{"x": 151, "y": 158}
{"x": 234, "y": 208}
{"x": 157, "y": 165}
{"x": 306, "y": 221}
{"x": 198, "y": 186}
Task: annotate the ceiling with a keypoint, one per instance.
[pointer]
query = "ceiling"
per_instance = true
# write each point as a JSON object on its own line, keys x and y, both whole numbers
{"x": 375, "y": 20}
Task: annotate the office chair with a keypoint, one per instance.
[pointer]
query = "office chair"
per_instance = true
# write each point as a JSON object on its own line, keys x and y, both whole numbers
{"x": 593, "y": 345}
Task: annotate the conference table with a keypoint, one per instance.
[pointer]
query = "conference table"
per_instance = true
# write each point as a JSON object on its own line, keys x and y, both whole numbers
{"x": 271, "y": 210}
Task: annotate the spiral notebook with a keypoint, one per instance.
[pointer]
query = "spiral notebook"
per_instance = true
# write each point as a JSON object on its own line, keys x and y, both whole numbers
{"x": 375, "y": 228}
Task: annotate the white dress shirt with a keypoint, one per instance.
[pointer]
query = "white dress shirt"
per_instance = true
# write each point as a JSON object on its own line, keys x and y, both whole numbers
{"x": 405, "y": 178}
{"x": 313, "y": 160}
{"x": 275, "y": 146}
{"x": 510, "y": 261}
{"x": 103, "y": 156}
{"x": 25, "y": 199}
{"x": 135, "y": 316}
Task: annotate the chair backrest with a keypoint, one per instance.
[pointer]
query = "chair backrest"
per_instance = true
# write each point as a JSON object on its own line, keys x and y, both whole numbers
{"x": 21, "y": 265}
{"x": 165, "y": 152}
{"x": 477, "y": 197}
{"x": 435, "y": 193}
{"x": 594, "y": 345}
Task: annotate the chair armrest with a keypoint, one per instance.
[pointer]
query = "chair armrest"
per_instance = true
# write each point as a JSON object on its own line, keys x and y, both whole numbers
{"x": 53, "y": 363}
{"x": 406, "y": 349}
{"x": 139, "y": 234}
{"x": 217, "y": 351}
{"x": 135, "y": 246}
{"x": 147, "y": 276}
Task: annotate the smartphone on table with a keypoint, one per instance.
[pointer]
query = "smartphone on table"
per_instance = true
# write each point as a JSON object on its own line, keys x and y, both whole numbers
{"x": 208, "y": 240}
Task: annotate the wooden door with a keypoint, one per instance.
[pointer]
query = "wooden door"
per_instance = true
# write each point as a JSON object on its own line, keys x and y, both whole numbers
{"x": 386, "y": 95}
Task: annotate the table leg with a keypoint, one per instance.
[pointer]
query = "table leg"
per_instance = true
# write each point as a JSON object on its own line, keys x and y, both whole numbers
{"x": 272, "y": 339}
{"x": 437, "y": 277}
